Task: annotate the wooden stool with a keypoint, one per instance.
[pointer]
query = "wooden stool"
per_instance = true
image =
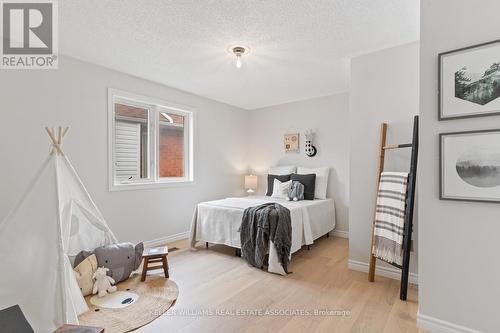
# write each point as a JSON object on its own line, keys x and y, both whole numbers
{"x": 154, "y": 255}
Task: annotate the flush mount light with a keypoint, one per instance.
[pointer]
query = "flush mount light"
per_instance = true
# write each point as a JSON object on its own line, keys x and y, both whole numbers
{"x": 239, "y": 51}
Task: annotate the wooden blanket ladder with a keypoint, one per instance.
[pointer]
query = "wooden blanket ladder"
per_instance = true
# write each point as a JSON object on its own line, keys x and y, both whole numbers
{"x": 410, "y": 201}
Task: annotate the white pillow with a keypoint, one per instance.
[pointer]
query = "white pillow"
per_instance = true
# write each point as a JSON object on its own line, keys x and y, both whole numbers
{"x": 282, "y": 170}
{"x": 280, "y": 190}
{"x": 321, "y": 180}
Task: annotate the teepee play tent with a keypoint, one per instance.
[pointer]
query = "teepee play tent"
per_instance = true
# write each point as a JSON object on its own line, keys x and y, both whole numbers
{"x": 54, "y": 220}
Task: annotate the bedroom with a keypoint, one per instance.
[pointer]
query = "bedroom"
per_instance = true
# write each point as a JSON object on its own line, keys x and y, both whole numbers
{"x": 212, "y": 93}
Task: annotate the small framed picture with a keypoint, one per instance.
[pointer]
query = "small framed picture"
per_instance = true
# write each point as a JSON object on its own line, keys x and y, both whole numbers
{"x": 469, "y": 82}
{"x": 470, "y": 166}
{"x": 291, "y": 142}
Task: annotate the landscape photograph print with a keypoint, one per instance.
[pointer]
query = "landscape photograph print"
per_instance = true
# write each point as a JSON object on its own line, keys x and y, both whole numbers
{"x": 479, "y": 88}
{"x": 469, "y": 82}
{"x": 480, "y": 167}
{"x": 470, "y": 165}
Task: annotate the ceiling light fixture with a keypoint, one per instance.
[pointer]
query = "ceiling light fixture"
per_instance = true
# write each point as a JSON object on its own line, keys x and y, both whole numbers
{"x": 239, "y": 51}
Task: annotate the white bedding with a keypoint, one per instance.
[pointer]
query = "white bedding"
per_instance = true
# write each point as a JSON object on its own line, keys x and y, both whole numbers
{"x": 218, "y": 221}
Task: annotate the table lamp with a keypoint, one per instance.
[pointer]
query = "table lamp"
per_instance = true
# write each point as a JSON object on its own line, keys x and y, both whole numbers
{"x": 250, "y": 183}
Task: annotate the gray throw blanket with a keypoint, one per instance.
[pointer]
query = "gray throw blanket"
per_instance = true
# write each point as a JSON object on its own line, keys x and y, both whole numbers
{"x": 390, "y": 217}
{"x": 263, "y": 223}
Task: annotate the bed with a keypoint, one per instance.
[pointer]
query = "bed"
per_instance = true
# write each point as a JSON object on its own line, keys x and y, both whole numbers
{"x": 218, "y": 221}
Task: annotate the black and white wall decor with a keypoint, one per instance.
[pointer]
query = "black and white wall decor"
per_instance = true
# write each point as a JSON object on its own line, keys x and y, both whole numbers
{"x": 469, "y": 82}
{"x": 311, "y": 150}
{"x": 291, "y": 142}
{"x": 470, "y": 166}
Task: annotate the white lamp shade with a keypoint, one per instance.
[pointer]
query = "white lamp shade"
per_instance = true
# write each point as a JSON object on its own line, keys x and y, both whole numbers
{"x": 251, "y": 182}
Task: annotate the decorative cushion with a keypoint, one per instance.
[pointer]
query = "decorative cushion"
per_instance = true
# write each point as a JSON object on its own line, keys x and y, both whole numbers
{"x": 121, "y": 259}
{"x": 321, "y": 180}
{"x": 270, "y": 182}
{"x": 282, "y": 170}
{"x": 281, "y": 189}
{"x": 84, "y": 272}
{"x": 81, "y": 256}
{"x": 309, "y": 182}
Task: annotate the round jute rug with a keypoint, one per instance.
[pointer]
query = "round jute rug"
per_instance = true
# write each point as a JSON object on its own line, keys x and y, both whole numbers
{"x": 156, "y": 296}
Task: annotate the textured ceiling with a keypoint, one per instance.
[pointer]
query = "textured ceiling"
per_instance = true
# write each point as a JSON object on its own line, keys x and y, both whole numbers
{"x": 299, "y": 48}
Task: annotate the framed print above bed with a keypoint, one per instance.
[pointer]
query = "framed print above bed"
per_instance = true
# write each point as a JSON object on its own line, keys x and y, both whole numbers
{"x": 291, "y": 142}
{"x": 470, "y": 166}
{"x": 469, "y": 82}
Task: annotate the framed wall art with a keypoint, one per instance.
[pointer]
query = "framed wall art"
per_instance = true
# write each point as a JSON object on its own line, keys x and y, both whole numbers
{"x": 469, "y": 82}
{"x": 470, "y": 166}
{"x": 291, "y": 142}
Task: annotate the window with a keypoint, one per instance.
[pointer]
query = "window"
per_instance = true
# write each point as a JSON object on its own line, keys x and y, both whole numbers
{"x": 150, "y": 142}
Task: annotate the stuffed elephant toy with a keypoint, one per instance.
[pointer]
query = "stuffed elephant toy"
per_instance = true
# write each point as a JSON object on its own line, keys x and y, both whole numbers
{"x": 121, "y": 259}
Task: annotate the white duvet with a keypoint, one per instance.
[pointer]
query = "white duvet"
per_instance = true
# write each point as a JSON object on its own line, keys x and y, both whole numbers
{"x": 218, "y": 222}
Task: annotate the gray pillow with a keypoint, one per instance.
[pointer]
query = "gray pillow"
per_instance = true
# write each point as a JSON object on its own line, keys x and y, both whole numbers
{"x": 309, "y": 182}
{"x": 270, "y": 182}
{"x": 121, "y": 259}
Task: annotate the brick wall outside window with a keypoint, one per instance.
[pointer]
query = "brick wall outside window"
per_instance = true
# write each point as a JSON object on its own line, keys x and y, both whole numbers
{"x": 171, "y": 151}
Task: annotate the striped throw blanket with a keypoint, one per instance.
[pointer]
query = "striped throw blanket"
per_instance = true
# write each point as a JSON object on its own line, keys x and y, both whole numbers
{"x": 390, "y": 216}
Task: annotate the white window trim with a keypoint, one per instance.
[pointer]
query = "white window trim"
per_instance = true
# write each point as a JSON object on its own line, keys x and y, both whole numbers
{"x": 154, "y": 181}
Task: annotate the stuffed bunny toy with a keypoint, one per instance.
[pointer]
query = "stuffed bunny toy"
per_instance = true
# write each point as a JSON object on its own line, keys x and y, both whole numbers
{"x": 103, "y": 282}
{"x": 296, "y": 192}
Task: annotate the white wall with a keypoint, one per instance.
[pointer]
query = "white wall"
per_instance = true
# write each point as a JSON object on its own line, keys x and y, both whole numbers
{"x": 328, "y": 117}
{"x": 384, "y": 88}
{"x": 76, "y": 95}
{"x": 458, "y": 270}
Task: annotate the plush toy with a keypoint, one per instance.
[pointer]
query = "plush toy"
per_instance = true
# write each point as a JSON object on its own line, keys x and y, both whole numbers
{"x": 296, "y": 192}
{"x": 121, "y": 259}
{"x": 103, "y": 283}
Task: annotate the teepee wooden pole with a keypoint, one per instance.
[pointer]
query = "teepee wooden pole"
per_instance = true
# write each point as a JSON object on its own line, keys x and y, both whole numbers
{"x": 55, "y": 145}
{"x": 52, "y": 149}
{"x": 59, "y": 135}
{"x": 65, "y": 131}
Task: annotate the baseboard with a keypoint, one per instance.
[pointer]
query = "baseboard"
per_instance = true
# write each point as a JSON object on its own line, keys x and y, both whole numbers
{"x": 185, "y": 235}
{"x": 435, "y": 325}
{"x": 166, "y": 239}
{"x": 341, "y": 233}
{"x": 392, "y": 273}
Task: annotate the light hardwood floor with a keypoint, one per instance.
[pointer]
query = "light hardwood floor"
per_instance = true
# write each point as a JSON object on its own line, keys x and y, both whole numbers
{"x": 219, "y": 292}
